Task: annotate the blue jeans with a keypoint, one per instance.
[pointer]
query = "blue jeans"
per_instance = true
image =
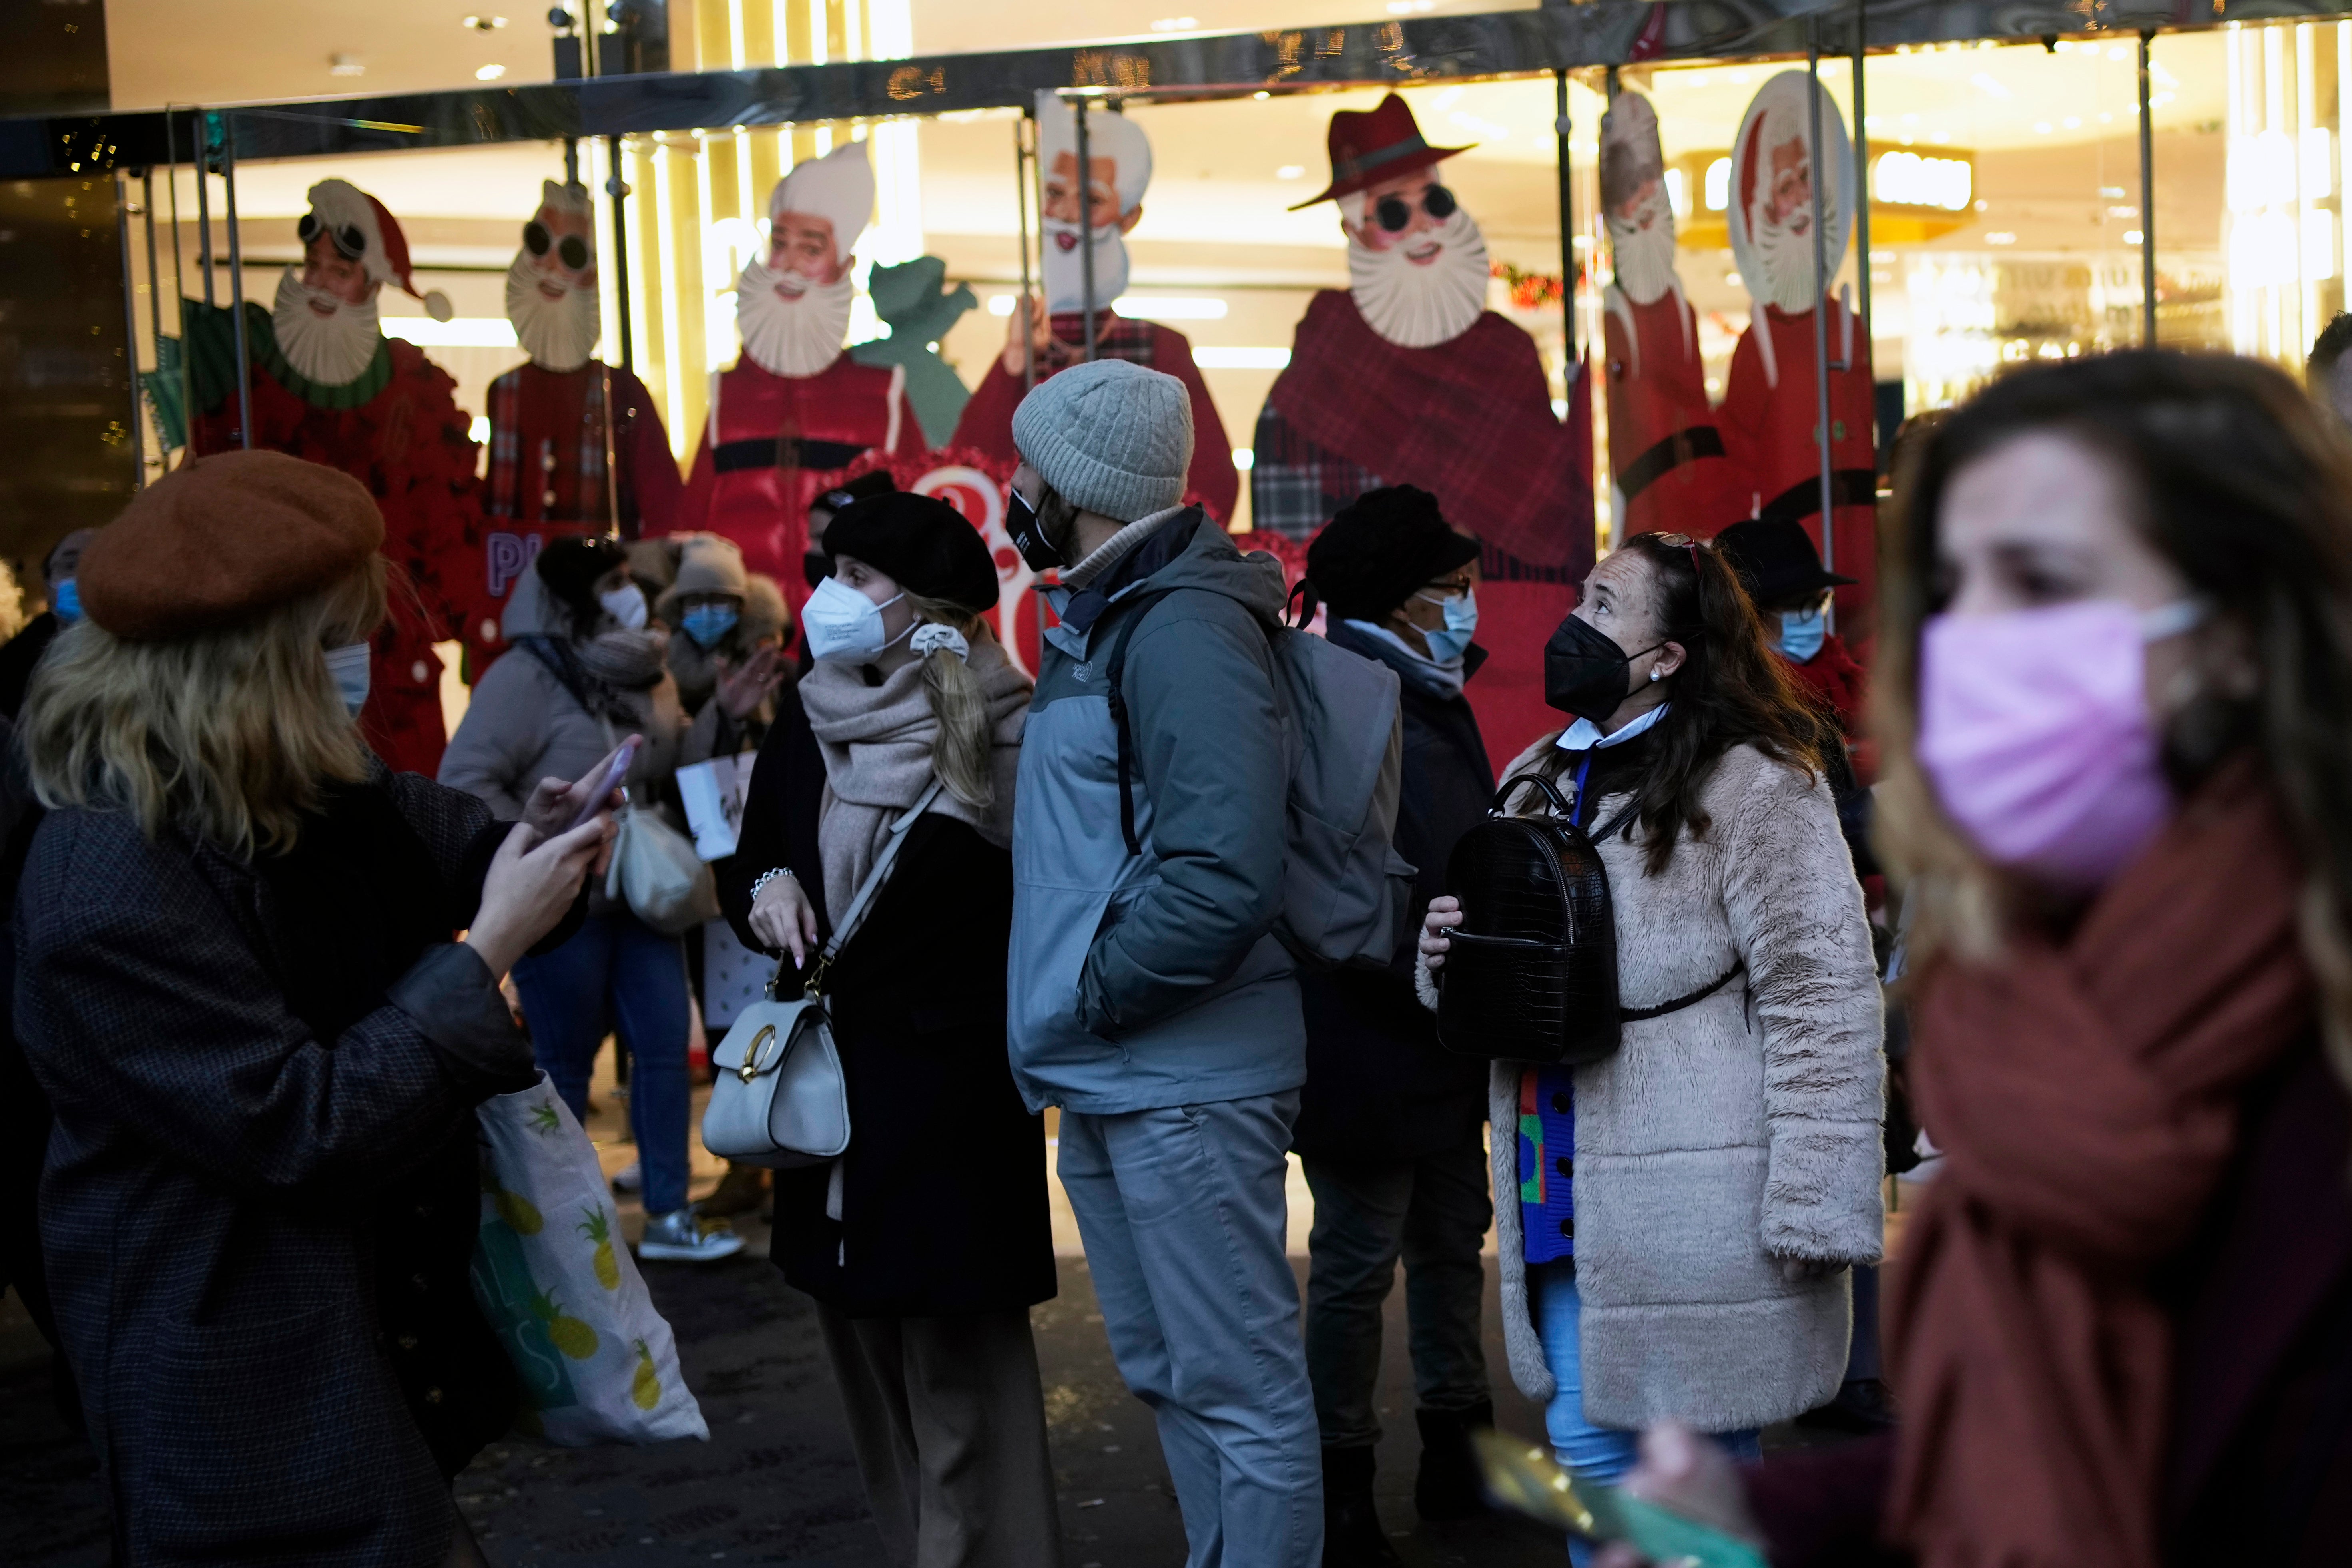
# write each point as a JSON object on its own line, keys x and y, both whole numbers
{"x": 1595, "y": 1453}
{"x": 618, "y": 973}
{"x": 1183, "y": 1213}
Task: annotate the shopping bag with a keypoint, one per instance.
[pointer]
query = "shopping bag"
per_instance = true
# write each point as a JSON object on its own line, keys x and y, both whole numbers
{"x": 554, "y": 1280}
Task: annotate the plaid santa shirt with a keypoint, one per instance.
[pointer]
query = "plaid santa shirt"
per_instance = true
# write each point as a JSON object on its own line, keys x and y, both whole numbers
{"x": 548, "y": 445}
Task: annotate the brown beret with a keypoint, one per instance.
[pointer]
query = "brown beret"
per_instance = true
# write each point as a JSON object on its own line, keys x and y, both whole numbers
{"x": 222, "y": 539}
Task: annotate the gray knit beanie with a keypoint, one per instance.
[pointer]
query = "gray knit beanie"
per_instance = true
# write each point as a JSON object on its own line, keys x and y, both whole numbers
{"x": 1109, "y": 436}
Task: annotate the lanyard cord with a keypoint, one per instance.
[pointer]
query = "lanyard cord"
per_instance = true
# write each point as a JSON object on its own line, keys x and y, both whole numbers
{"x": 1577, "y": 813}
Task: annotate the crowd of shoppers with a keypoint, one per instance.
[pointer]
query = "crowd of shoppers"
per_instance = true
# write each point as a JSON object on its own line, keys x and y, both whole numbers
{"x": 257, "y": 986}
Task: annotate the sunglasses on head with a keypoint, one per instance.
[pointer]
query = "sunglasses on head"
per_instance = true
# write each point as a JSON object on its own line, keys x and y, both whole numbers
{"x": 1394, "y": 212}
{"x": 571, "y": 250}
{"x": 348, "y": 239}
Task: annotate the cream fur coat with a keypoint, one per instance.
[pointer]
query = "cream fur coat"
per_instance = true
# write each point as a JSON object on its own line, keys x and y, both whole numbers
{"x": 1721, "y": 1138}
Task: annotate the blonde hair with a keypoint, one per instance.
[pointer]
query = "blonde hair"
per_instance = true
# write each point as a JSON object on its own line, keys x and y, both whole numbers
{"x": 228, "y": 736}
{"x": 960, "y": 755}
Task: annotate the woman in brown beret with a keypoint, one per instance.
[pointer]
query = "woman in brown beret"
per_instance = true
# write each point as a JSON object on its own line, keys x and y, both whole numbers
{"x": 239, "y": 986}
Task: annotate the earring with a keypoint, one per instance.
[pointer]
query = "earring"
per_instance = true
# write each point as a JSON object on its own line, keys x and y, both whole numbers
{"x": 1653, "y": 675}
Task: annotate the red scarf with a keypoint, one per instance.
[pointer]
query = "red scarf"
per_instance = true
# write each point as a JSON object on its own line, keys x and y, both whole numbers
{"x": 2086, "y": 1094}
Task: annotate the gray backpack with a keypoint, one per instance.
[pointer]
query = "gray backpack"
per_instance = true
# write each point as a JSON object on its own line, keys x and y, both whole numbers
{"x": 1346, "y": 895}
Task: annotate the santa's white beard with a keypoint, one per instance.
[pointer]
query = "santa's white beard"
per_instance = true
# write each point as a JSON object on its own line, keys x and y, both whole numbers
{"x": 558, "y": 335}
{"x": 791, "y": 337}
{"x": 1786, "y": 259}
{"x": 1413, "y": 306}
{"x": 330, "y": 350}
{"x": 1065, "y": 270}
{"x": 1643, "y": 258}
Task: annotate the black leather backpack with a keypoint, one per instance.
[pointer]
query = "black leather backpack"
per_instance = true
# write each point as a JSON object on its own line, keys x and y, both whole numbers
{"x": 1531, "y": 971}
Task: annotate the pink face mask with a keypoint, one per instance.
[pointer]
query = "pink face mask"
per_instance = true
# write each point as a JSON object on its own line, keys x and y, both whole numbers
{"x": 2034, "y": 730}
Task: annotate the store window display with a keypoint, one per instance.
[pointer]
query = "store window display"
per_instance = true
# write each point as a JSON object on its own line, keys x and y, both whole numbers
{"x": 1667, "y": 462}
{"x": 327, "y": 385}
{"x": 1119, "y": 156}
{"x": 795, "y": 408}
{"x": 1771, "y": 406}
{"x": 576, "y": 446}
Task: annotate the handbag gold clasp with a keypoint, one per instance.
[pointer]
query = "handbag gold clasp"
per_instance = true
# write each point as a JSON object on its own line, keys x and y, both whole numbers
{"x": 750, "y": 1068}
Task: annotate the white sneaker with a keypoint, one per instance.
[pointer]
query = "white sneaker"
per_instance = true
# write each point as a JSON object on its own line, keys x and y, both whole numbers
{"x": 679, "y": 1236}
{"x": 629, "y": 1178}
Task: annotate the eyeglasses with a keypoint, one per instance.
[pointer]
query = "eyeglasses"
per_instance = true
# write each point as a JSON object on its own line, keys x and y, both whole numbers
{"x": 349, "y": 239}
{"x": 1394, "y": 212}
{"x": 571, "y": 250}
{"x": 1451, "y": 588}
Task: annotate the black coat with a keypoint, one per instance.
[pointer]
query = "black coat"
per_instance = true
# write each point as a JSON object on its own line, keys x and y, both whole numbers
{"x": 944, "y": 1207}
{"x": 1379, "y": 1086}
{"x": 264, "y": 1076}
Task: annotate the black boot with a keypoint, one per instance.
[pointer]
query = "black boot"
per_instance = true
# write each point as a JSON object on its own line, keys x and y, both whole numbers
{"x": 1352, "y": 1536}
{"x": 1450, "y": 1485}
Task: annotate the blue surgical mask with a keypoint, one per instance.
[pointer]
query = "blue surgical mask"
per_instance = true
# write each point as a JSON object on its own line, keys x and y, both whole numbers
{"x": 65, "y": 601}
{"x": 705, "y": 624}
{"x": 1461, "y": 621}
{"x": 626, "y": 604}
{"x": 1800, "y": 633}
{"x": 349, "y": 666}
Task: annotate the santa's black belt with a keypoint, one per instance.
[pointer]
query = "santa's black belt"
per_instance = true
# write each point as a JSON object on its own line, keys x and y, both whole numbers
{"x": 1848, "y": 487}
{"x": 1682, "y": 446}
{"x": 784, "y": 452}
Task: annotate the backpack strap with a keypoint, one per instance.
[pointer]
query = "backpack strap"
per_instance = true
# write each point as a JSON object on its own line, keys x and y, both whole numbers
{"x": 1635, "y": 1014}
{"x": 1115, "y": 676}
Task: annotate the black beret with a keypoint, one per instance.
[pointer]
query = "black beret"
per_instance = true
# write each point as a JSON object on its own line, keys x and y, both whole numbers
{"x": 573, "y": 565}
{"x": 841, "y": 497}
{"x": 1380, "y": 550}
{"x": 921, "y": 543}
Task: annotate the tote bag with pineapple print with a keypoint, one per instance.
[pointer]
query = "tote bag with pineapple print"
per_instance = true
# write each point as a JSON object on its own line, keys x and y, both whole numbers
{"x": 556, "y": 1282}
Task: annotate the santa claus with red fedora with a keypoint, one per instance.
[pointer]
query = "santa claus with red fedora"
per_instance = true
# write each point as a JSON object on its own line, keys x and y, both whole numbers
{"x": 1666, "y": 458}
{"x": 1405, "y": 377}
{"x": 794, "y": 409}
{"x": 1771, "y": 415}
{"x": 329, "y": 387}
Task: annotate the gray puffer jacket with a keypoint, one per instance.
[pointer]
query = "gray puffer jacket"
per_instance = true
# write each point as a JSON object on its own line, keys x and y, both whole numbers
{"x": 1139, "y": 982}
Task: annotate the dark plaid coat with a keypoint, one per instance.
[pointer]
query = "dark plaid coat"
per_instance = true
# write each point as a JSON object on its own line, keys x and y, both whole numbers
{"x": 218, "y": 1177}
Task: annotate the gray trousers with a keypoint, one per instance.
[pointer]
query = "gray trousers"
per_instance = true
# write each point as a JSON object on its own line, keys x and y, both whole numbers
{"x": 1432, "y": 1213}
{"x": 949, "y": 1423}
{"x": 1183, "y": 1214}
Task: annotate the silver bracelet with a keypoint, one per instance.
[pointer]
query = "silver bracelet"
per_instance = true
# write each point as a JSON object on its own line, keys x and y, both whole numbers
{"x": 761, "y": 883}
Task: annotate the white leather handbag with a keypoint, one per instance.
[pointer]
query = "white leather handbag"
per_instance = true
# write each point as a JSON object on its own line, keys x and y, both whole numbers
{"x": 779, "y": 1099}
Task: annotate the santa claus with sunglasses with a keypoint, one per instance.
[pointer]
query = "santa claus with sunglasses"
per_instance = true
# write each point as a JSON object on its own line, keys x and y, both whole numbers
{"x": 1406, "y": 378}
{"x": 327, "y": 385}
{"x": 576, "y": 445}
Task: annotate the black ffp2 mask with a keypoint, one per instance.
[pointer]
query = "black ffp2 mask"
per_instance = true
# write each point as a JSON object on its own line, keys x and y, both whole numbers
{"x": 1027, "y": 531}
{"x": 1586, "y": 674}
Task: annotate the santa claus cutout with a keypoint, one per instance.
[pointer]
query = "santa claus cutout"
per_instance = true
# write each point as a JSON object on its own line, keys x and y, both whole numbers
{"x": 1771, "y": 415}
{"x": 1112, "y": 193}
{"x": 576, "y": 446}
{"x": 328, "y": 387}
{"x": 1666, "y": 461}
{"x": 1406, "y": 377}
{"x": 795, "y": 408}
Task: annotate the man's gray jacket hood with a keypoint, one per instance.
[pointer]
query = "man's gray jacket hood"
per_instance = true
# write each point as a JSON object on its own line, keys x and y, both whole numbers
{"x": 1145, "y": 981}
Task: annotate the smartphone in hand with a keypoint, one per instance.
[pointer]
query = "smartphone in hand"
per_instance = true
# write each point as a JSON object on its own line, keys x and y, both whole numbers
{"x": 610, "y": 782}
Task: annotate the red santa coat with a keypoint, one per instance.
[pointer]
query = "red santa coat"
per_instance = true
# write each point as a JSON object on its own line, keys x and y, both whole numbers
{"x": 770, "y": 438}
{"x": 549, "y": 437}
{"x": 1470, "y": 421}
{"x": 986, "y": 424}
{"x": 398, "y": 431}
{"x": 1667, "y": 458}
{"x": 1770, "y": 423}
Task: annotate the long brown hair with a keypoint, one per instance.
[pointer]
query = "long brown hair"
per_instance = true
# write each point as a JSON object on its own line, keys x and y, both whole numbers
{"x": 2246, "y": 488}
{"x": 1731, "y": 689}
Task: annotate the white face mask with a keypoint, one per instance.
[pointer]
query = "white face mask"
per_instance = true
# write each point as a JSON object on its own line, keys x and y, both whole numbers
{"x": 842, "y": 626}
{"x": 348, "y": 666}
{"x": 625, "y": 605}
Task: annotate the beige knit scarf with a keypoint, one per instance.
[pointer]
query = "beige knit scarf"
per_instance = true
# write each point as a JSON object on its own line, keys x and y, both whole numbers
{"x": 876, "y": 741}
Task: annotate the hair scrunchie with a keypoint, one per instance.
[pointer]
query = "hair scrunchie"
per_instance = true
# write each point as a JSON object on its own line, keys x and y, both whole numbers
{"x": 932, "y": 635}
